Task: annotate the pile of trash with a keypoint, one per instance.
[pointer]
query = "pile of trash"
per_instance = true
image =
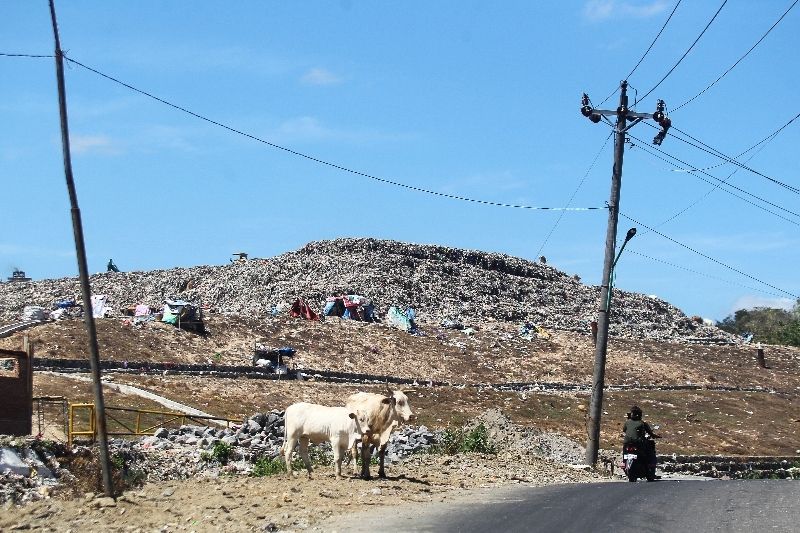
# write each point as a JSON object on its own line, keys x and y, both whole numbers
{"x": 438, "y": 282}
{"x": 28, "y": 469}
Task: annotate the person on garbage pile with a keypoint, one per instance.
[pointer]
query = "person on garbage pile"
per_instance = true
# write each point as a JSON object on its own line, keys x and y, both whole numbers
{"x": 636, "y": 431}
{"x": 111, "y": 267}
{"x": 334, "y": 305}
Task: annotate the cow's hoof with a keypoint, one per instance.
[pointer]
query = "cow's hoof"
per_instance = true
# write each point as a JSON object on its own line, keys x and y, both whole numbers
{"x": 382, "y": 475}
{"x": 367, "y": 477}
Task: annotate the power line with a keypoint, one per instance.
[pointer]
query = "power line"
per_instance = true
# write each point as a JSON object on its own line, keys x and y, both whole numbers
{"x": 715, "y": 187}
{"x": 628, "y": 77}
{"x": 763, "y": 141}
{"x": 322, "y": 161}
{"x": 703, "y": 273}
{"x": 713, "y": 151}
{"x": 686, "y": 52}
{"x": 701, "y": 254}
{"x": 6, "y": 54}
{"x": 721, "y": 182}
{"x": 645, "y": 52}
{"x": 569, "y": 202}
{"x": 740, "y": 59}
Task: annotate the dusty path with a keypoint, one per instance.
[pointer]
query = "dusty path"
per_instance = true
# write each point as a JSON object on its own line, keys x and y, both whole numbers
{"x": 239, "y": 503}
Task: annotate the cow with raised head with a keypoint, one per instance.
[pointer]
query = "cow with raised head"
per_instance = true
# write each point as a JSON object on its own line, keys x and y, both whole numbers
{"x": 384, "y": 413}
{"x": 310, "y": 423}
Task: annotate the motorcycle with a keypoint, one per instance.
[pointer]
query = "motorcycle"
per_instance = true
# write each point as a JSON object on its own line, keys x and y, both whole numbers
{"x": 639, "y": 460}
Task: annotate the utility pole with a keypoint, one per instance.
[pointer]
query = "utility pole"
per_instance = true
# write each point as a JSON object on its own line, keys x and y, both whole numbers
{"x": 83, "y": 270}
{"x": 623, "y": 115}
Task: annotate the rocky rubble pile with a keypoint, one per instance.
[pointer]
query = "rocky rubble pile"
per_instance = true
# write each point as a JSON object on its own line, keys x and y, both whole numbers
{"x": 732, "y": 468}
{"x": 526, "y": 440}
{"x": 441, "y": 283}
{"x": 27, "y": 469}
{"x": 189, "y": 451}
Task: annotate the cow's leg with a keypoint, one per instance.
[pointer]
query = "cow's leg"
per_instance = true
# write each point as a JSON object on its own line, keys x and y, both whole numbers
{"x": 339, "y": 451}
{"x": 381, "y": 456}
{"x": 365, "y": 457}
{"x": 288, "y": 448}
{"x": 304, "y": 454}
{"x": 354, "y": 456}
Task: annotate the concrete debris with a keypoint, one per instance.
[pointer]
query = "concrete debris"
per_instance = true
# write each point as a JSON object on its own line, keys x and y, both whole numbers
{"x": 455, "y": 286}
{"x": 27, "y": 470}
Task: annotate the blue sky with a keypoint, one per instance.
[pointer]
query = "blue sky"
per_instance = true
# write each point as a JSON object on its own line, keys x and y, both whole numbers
{"x": 475, "y": 99}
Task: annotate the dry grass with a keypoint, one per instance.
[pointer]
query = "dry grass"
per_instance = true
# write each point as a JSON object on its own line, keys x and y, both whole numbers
{"x": 693, "y": 422}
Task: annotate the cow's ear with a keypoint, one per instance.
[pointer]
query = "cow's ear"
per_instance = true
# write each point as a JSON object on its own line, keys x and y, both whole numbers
{"x": 352, "y": 415}
{"x": 387, "y": 400}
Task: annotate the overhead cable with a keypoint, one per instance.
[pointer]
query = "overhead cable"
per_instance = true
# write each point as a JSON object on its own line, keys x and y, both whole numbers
{"x": 740, "y": 59}
{"x": 761, "y": 143}
{"x": 729, "y": 282}
{"x": 569, "y": 202}
{"x": 721, "y": 182}
{"x": 711, "y": 190}
{"x": 644, "y": 145}
{"x": 716, "y": 153}
{"x": 686, "y": 52}
{"x": 7, "y": 54}
{"x": 646, "y": 51}
{"x": 322, "y": 161}
{"x": 654, "y": 41}
{"x": 701, "y": 254}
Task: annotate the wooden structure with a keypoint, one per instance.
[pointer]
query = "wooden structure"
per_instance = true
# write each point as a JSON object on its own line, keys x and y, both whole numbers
{"x": 16, "y": 390}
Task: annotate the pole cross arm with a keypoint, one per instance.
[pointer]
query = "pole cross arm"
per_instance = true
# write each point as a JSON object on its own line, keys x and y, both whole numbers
{"x": 630, "y": 115}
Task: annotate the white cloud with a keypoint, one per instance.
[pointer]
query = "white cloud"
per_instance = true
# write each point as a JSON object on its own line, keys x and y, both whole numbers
{"x": 600, "y": 10}
{"x": 751, "y": 302}
{"x": 101, "y": 144}
{"x": 320, "y": 76}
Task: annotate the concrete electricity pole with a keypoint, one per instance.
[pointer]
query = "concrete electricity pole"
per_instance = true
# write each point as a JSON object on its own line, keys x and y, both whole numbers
{"x": 623, "y": 116}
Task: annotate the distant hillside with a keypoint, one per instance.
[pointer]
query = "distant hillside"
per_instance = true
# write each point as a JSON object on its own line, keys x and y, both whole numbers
{"x": 439, "y": 282}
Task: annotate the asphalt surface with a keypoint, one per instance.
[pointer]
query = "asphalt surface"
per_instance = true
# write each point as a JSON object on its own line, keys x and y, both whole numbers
{"x": 667, "y": 505}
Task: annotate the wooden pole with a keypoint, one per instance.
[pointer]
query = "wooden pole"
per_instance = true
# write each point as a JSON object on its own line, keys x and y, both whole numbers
{"x": 760, "y": 357}
{"x": 83, "y": 270}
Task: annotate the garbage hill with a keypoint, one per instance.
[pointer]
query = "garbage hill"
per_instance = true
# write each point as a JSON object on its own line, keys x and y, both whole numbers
{"x": 440, "y": 282}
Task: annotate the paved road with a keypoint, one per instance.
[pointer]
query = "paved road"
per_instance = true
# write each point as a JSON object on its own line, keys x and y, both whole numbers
{"x": 668, "y": 506}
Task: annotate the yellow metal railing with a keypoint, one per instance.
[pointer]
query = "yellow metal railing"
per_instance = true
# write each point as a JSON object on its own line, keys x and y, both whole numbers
{"x": 135, "y": 427}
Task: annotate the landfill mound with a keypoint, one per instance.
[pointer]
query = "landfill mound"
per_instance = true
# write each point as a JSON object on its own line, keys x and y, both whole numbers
{"x": 439, "y": 282}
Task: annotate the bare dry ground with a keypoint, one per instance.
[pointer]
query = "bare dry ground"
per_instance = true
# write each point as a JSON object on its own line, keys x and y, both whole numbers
{"x": 275, "y": 503}
{"x": 702, "y": 421}
{"x": 494, "y": 353}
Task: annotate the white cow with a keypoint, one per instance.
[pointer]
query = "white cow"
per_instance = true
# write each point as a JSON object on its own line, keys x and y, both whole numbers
{"x": 384, "y": 413}
{"x": 308, "y": 422}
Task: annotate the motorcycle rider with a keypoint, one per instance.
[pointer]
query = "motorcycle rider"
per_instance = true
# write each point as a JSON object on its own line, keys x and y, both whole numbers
{"x": 636, "y": 431}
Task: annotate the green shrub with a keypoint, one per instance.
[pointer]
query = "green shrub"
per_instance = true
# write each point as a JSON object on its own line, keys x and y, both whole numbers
{"x": 477, "y": 440}
{"x": 458, "y": 440}
{"x": 221, "y": 452}
{"x": 268, "y": 466}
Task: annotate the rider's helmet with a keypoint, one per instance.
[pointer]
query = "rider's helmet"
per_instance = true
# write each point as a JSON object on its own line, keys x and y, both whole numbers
{"x": 636, "y": 413}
